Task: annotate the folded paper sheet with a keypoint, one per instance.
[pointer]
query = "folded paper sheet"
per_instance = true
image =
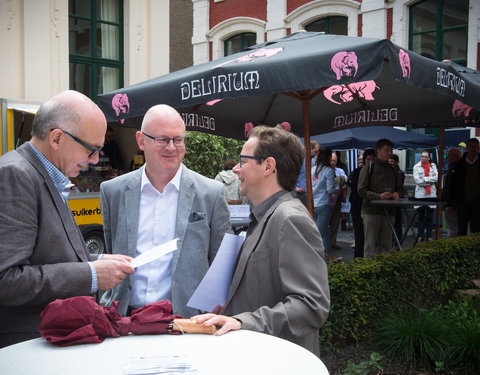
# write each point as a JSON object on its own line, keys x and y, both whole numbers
{"x": 154, "y": 253}
{"x": 213, "y": 289}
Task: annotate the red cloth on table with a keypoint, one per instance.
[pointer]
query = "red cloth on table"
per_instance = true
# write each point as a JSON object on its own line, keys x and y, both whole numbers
{"x": 80, "y": 320}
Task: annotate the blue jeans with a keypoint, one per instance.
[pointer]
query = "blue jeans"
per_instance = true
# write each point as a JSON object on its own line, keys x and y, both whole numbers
{"x": 322, "y": 218}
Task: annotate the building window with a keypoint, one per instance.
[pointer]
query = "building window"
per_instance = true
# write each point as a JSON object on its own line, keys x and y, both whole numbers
{"x": 239, "y": 42}
{"x": 96, "y": 46}
{"x": 331, "y": 25}
{"x": 438, "y": 29}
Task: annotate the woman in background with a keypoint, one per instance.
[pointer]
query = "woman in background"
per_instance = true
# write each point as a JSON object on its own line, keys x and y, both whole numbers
{"x": 425, "y": 175}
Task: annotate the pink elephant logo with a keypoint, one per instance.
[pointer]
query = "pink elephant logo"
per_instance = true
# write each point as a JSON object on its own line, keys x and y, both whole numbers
{"x": 404, "y": 58}
{"x": 256, "y": 55}
{"x": 248, "y": 128}
{"x": 285, "y": 126}
{"x": 460, "y": 109}
{"x": 344, "y": 63}
{"x": 346, "y": 93}
{"x": 120, "y": 105}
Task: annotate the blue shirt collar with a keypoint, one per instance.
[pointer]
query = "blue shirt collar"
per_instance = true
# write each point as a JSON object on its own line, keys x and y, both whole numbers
{"x": 62, "y": 183}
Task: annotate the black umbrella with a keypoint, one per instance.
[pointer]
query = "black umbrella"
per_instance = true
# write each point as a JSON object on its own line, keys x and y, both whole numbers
{"x": 317, "y": 83}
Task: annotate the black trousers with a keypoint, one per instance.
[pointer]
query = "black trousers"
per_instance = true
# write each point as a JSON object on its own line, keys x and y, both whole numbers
{"x": 468, "y": 212}
{"x": 357, "y": 232}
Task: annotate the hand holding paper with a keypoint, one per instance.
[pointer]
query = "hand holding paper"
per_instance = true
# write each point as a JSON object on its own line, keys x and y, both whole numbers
{"x": 154, "y": 253}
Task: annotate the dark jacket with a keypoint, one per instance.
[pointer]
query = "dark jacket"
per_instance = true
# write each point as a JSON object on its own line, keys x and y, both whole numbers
{"x": 455, "y": 181}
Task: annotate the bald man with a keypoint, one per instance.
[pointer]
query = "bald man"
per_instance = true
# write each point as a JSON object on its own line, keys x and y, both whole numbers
{"x": 157, "y": 203}
{"x": 42, "y": 253}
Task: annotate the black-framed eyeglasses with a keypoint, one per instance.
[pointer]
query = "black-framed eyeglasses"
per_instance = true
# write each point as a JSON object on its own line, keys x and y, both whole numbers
{"x": 240, "y": 162}
{"x": 93, "y": 150}
{"x": 164, "y": 141}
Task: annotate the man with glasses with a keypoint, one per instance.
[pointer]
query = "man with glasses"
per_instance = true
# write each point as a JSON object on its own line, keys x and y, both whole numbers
{"x": 157, "y": 203}
{"x": 280, "y": 284}
{"x": 42, "y": 253}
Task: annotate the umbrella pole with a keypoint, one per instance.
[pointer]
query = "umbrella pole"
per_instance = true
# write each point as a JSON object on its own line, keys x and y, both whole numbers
{"x": 441, "y": 148}
{"x": 308, "y": 155}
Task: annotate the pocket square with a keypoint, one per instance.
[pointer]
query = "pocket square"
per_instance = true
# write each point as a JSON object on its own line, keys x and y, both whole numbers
{"x": 196, "y": 216}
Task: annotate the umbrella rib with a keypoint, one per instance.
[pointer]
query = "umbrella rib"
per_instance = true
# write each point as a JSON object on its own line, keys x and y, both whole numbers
{"x": 267, "y": 112}
{"x": 356, "y": 96}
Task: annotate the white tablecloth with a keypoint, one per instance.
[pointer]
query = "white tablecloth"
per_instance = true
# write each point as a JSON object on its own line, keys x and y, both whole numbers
{"x": 240, "y": 352}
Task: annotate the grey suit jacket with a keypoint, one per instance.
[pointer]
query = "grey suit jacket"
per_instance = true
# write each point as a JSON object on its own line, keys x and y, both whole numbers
{"x": 202, "y": 220}
{"x": 42, "y": 252}
{"x": 280, "y": 284}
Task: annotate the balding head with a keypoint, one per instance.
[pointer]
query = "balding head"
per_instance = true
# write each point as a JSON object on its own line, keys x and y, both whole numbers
{"x": 159, "y": 116}
{"x": 68, "y": 110}
{"x": 454, "y": 155}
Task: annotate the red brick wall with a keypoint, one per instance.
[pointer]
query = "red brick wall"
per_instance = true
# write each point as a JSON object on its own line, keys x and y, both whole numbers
{"x": 389, "y": 23}
{"x": 294, "y": 4}
{"x": 360, "y": 25}
{"x": 237, "y": 8}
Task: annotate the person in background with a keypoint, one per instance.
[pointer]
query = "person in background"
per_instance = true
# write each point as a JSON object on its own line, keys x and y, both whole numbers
{"x": 394, "y": 161}
{"x": 378, "y": 181}
{"x": 42, "y": 252}
{"x": 230, "y": 182}
{"x": 301, "y": 185}
{"x": 112, "y": 151}
{"x": 425, "y": 175}
{"x": 323, "y": 187}
{"x": 280, "y": 284}
{"x": 162, "y": 201}
{"x": 451, "y": 218}
{"x": 356, "y": 202}
{"x": 463, "y": 191}
{"x": 340, "y": 197}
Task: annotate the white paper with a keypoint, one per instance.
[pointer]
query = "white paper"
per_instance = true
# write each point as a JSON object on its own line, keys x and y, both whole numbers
{"x": 213, "y": 289}
{"x": 154, "y": 253}
{"x": 165, "y": 364}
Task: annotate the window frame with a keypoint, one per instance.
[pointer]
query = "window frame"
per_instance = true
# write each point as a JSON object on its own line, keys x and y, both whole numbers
{"x": 92, "y": 60}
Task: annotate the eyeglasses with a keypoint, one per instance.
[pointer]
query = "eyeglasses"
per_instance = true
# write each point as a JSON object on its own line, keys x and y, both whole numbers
{"x": 248, "y": 157}
{"x": 93, "y": 150}
{"x": 164, "y": 141}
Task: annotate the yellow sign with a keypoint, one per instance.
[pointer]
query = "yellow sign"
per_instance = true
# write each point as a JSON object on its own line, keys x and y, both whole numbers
{"x": 86, "y": 211}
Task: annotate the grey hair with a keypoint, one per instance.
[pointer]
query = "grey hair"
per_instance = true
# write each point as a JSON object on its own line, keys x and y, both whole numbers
{"x": 54, "y": 114}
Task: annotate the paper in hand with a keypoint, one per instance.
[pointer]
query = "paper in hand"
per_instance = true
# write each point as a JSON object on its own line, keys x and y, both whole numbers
{"x": 154, "y": 253}
{"x": 213, "y": 289}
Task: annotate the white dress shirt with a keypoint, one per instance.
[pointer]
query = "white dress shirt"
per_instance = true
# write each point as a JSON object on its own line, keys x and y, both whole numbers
{"x": 156, "y": 225}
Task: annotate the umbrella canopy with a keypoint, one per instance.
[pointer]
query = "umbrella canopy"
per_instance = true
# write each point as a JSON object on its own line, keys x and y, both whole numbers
{"x": 366, "y": 137}
{"x": 318, "y": 83}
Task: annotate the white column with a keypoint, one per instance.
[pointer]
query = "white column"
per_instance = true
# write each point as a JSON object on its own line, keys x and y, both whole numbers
{"x": 160, "y": 37}
{"x": 37, "y": 50}
{"x": 276, "y": 12}
{"x": 374, "y": 19}
{"x": 473, "y": 33}
{"x": 201, "y": 25}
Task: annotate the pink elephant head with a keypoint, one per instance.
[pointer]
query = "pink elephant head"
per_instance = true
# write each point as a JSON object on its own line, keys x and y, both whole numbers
{"x": 460, "y": 109}
{"x": 248, "y": 128}
{"x": 285, "y": 126}
{"x": 346, "y": 93}
{"x": 120, "y": 105}
{"x": 404, "y": 58}
{"x": 344, "y": 63}
{"x": 255, "y": 55}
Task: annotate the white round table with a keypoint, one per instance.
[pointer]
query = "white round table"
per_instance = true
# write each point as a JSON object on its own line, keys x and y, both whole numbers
{"x": 239, "y": 352}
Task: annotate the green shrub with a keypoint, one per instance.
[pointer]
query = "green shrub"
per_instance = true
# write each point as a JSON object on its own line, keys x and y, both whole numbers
{"x": 421, "y": 277}
{"x": 446, "y": 337}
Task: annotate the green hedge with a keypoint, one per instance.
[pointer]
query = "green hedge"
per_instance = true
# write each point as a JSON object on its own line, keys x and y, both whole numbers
{"x": 423, "y": 276}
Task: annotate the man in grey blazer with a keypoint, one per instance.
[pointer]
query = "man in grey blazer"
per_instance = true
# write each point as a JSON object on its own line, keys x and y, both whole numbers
{"x": 280, "y": 284}
{"x": 159, "y": 202}
{"x": 42, "y": 253}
